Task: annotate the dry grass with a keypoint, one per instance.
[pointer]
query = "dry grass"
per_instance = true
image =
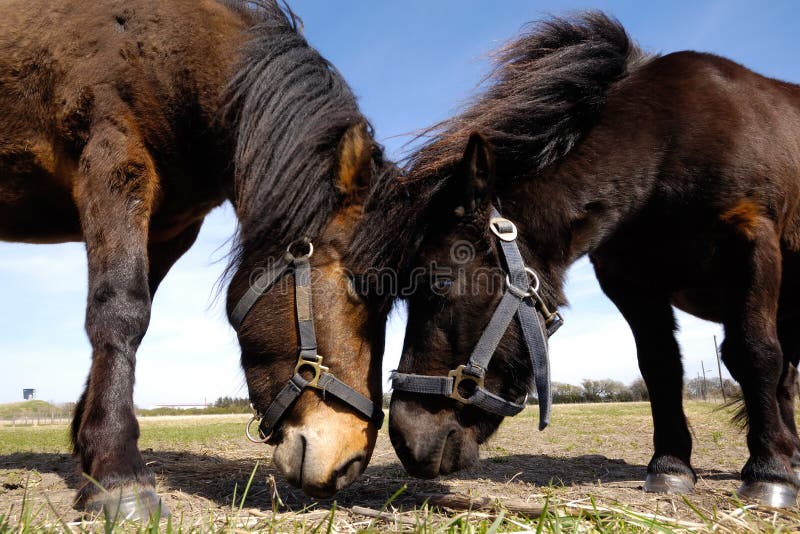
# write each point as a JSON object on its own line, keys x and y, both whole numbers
{"x": 583, "y": 474}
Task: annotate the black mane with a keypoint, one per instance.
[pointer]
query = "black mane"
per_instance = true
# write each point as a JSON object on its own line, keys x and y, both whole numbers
{"x": 288, "y": 108}
{"x": 545, "y": 93}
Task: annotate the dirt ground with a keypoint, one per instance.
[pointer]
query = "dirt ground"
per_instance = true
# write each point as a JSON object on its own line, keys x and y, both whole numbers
{"x": 590, "y": 451}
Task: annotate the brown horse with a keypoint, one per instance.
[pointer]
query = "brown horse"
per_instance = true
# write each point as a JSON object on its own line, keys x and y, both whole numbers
{"x": 122, "y": 124}
{"x": 678, "y": 175}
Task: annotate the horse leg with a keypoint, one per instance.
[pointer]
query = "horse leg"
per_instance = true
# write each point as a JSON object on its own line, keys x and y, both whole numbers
{"x": 114, "y": 193}
{"x": 787, "y": 392}
{"x": 652, "y": 322}
{"x": 752, "y": 352}
{"x": 162, "y": 256}
{"x": 789, "y": 336}
{"x": 787, "y": 386}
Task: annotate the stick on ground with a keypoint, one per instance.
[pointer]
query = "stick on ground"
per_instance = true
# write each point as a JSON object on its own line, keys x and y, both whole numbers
{"x": 386, "y": 516}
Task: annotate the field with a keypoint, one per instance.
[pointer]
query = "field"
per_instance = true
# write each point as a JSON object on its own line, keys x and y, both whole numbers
{"x": 582, "y": 474}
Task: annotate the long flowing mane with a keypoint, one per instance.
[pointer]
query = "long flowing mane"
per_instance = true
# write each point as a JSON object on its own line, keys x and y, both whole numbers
{"x": 288, "y": 108}
{"x": 546, "y": 91}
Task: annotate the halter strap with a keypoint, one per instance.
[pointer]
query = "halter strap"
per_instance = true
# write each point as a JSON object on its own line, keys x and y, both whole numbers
{"x": 308, "y": 359}
{"x": 258, "y": 287}
{"x": 304, "y": 309}
{"x": 522, "y": 299}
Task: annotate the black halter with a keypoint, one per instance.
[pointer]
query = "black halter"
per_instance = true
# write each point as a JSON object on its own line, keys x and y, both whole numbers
{"x": 308, "y": 360}
{"x": 522, "y": 299}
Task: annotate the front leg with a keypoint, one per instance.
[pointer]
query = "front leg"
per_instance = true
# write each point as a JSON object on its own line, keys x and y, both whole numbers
{"x": 114, "y": 195}
{"x": 650, "y": 316}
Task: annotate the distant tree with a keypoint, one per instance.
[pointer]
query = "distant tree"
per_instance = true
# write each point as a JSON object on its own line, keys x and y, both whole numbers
{"x": 732, "y": 389}
{"x": 232, "y": 403}
{"x": 591, "y": 390}
{"x": 623, "y": 394}
{"x": 638, "y": 390}
{"x": 605, "y": 390}
{"x": 693, "y": 389}
{"x": 566, "y": 393}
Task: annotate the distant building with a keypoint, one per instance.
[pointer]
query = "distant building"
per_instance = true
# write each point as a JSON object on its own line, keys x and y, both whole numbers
{"x": 28, "y": 393}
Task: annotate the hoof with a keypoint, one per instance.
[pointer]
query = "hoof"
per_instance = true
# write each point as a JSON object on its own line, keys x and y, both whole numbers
{"x": 127, "y": 504}
{"x": 775, "y": 494}
{"x": 666, "y": 483}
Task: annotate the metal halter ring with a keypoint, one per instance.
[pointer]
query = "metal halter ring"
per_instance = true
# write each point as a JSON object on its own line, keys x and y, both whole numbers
{"x": 458, "y": 376}
{"x": 304, "y": 241}
{"x": 494, "y": 224}
{"x": 316, "y": 365}
{"x": 247, "y": 433}
{"x": 532, "y": 290}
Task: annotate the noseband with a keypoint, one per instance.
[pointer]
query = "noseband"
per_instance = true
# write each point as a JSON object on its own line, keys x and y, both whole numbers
{"x": 522, "y": 299}
{"x": 308, "y": 359}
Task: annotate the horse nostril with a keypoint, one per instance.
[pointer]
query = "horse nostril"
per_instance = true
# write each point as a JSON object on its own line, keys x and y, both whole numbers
{"x": 451, "y": 451}
{"x": 420, "y": 453}
{"x": 460, "y": 451}
{"x": 303, "y": 449}
{"x": 290, "y": 457}
{"x": 349, "y": 470}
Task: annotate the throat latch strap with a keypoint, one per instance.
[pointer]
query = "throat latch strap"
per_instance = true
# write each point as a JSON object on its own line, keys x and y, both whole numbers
{"x": 258, "y": 287}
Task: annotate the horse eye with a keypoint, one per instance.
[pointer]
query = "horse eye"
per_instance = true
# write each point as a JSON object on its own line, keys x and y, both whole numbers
{"x": 442, "y": 285}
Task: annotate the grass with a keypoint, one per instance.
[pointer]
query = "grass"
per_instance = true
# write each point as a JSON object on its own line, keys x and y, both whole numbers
{"x": 169, "y": 433}
{"x": 30, "y": 408}
{"x": 251, "y": 503}
{"x": 555, "y": 517}
{"x": 34, "y": 439}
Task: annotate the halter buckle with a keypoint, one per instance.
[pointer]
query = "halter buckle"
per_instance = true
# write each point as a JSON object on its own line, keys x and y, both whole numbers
{"x": 550, "y": 318}
{"x": 459, "y": 376}
{"x": 553, "y": 323}
{"x": 503, "y": 228}
{"x": 315, "y": 365}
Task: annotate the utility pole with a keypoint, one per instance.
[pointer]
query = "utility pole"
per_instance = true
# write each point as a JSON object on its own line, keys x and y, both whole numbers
{"x": 719, "y": 370}
{"x": 700, "y": 385}
{"x": 703, "y": 367}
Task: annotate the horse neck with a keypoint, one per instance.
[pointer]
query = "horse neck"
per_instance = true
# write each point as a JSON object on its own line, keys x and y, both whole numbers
{"x": 561, "y": 216}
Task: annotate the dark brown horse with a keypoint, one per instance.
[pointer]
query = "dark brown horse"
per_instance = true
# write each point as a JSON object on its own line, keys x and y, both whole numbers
{"x": 122, "y": 124}
{"x": 678, "y": 175}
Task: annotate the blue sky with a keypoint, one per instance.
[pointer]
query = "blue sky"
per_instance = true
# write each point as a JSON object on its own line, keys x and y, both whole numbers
{"x": 411, "y": 63}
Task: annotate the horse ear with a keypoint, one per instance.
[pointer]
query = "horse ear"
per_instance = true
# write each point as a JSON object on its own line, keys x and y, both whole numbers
{"x": 355, "y": 162}
{"x": 477, "y": 175}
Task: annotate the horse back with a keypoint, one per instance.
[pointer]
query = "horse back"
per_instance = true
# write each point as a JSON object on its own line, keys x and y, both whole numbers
{"x": 157, "y": 68}
{"x": 702, "y": 141}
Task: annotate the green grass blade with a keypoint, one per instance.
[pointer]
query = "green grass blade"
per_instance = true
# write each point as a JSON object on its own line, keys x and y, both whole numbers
{"x": 497, "y": 522}
{"x": 247, "y": 488}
